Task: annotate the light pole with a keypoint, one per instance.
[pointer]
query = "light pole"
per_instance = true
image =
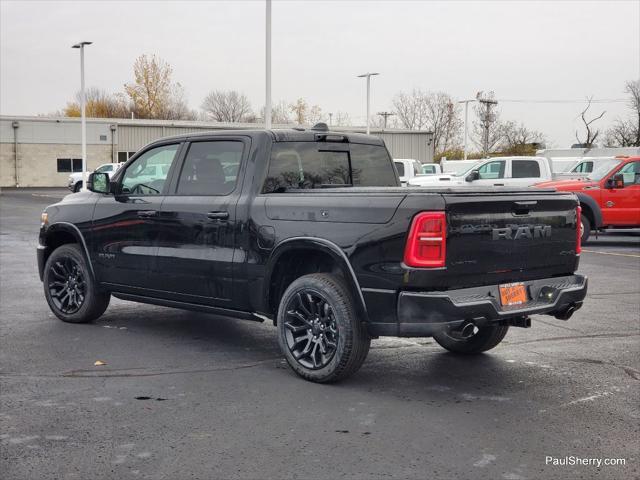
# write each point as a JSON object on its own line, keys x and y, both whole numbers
{"x": 466, "y": 119}
{"x": 83, "y": 119}
{"x": 267, "y": 103}
{"x": 368, "y": 77}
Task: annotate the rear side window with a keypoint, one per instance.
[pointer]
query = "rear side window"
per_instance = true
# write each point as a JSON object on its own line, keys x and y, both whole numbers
{"x": 372, "y": 166}
{"x": 309, "y": 165}
{"x": 525, "y": 169}
{"x": 210, "y": 168}
{"x": 400, "y": 168}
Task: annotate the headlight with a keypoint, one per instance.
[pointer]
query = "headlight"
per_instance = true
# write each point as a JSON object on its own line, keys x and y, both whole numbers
{"x": 44, "y": 218}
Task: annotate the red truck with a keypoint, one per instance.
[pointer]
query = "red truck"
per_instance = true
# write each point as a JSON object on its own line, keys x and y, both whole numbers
{"x": 609, "y": 196}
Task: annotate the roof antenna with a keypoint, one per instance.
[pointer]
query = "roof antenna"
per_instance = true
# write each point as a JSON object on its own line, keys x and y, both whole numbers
{"x": 321, "y": 126}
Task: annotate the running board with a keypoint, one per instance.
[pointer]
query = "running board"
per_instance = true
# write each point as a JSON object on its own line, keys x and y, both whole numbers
{"x": 225, "y": 312}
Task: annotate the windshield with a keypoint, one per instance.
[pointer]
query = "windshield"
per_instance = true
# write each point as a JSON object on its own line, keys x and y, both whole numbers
{"x": 601, "y": 168}
{"x": 464, "y": 173}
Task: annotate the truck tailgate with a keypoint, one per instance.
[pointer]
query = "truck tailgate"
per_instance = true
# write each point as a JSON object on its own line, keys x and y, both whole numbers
{"x": 493, "y": 234}
{"x": 499, "y": 236}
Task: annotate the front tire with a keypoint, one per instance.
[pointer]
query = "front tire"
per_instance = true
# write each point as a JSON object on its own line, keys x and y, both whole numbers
{"x": 77, "y": 187}
{"x": 71, "y": 292}
{"x": 319, "y": 331}
{"x": 483, "y": 339}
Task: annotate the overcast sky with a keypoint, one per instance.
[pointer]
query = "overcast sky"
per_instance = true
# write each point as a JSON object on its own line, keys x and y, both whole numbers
{"x": 547, "y": 50}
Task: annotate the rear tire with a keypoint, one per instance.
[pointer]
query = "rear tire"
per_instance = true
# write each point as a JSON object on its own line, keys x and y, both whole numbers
{"x": 585, "y": 228}
{"x": 71, "y": 292}
{"x": 319, "y": 331}
{"x": 77, "y": 187}
{"x": 484, "y": 339}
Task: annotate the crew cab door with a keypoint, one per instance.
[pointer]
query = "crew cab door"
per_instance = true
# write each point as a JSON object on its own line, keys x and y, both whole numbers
{"x": 124, "y": 234}
{"x": 621, "y": 206}
{"x": 196, "y": 244}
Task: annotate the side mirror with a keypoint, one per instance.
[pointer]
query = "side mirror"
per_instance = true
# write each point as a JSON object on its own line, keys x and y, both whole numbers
{"x": 617, "y": 181}
{"x": 474, "y": 175}
{"x": 98, "y": 182}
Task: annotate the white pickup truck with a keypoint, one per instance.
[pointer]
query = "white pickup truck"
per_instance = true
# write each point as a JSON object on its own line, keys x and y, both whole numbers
{"x": 75, "y": 179}
{"x": 408, "y": 169}
{"x": 494, "y": 172}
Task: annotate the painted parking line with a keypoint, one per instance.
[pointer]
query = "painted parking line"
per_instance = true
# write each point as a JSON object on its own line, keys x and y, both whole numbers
{"x": 612, "y": 253}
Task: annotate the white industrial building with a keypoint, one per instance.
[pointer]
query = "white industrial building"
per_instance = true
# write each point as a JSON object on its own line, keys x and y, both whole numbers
{"x": 42, "y": 151}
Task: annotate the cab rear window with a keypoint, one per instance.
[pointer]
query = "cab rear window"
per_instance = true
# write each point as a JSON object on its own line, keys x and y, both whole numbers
{"x": 309, "y": 165}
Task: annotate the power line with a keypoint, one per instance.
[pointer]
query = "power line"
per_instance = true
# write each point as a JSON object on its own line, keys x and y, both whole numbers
{"x": 600, "y": 100}
{"x": 385, "y": 115}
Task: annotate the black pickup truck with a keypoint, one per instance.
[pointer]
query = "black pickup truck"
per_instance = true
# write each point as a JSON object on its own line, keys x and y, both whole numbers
{"x": 311, "y": 229}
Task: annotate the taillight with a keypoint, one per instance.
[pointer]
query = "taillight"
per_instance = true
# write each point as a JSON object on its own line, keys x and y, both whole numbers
{"x": 578, "y": 230}
{"x": 427, "y": 242}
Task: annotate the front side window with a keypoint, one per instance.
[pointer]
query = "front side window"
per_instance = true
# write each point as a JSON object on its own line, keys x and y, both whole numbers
{"x": 525, "y": 169}
{"x": 492, "y": 170}
{"x": 148, "y": 173}
{"x": 309, "y": 165}
{"x": 631, "y": 173}
{"x": 210, "y": 168}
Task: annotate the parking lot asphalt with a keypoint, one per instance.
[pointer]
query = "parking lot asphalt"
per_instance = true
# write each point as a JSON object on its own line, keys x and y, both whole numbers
{"x": 190, "y": 396}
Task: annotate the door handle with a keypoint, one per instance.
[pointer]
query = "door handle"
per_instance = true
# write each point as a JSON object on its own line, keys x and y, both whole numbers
{"x": 218, "y": 215}
{"x": 147, "y": 213}
{"x": 498, "y": 184}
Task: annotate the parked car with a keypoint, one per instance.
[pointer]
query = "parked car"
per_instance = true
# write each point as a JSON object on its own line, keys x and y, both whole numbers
{"x": 314, "y": 233}
{"x": 497, "y": 172}
{"x": 609, "y": 195}
{"x": 456, "y": 166}
{"x": 75, "y": 179}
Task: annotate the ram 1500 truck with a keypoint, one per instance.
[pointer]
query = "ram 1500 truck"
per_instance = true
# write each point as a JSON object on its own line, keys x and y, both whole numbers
{"x": 311, "y": 230}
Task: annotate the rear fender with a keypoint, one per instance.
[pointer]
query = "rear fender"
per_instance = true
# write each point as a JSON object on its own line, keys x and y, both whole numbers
{"x": 317, "y": 245}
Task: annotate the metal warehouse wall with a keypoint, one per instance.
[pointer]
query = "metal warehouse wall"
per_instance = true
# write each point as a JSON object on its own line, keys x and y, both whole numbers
{"x": 43, "y": 140}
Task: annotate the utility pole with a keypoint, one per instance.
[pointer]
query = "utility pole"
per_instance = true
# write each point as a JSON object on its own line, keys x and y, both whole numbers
{"x": 386, "y": 115}
{"x": 330, "y": 118}
{"x": 368, "y": 77}
{"x": 487, "y": 118}
{"x": 466, "y": 123}
{"x": 83, "y": 119}
{"x": 267, "y": 103}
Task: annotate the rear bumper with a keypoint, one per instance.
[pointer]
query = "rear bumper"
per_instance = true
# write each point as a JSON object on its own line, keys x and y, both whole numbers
{"x": 424, "y": 313}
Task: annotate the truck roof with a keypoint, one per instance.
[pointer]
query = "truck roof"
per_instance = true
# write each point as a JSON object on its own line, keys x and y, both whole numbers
{"x": 287, "y": 135}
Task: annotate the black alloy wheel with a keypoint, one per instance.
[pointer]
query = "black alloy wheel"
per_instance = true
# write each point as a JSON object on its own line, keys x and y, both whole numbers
{"x": 311, "y": 329}
{"x": 67, "y": 284}
{"x": 71, "y": 291}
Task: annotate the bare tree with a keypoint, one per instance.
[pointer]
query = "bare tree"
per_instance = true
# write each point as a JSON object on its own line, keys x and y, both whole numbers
{"x": 633, "y": 89}
{"x": 515, "y": 135}
{"x": 591, "y": 134}
{"x": 226, "y": 106}
{"x": 411, "y": 109}
{"x": 342, "y": 119}
{"x": 315, "y": 115}
{"x": 435, "y": 112}
{"x": 623, "y": 133}
{"x": 444, "y": 120}
{"x": 299, "y": 110}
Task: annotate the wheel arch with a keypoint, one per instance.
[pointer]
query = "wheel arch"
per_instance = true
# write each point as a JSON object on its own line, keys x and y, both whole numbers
{"x": 591, "y": 209}
{"x": 62, "y": 233}
{"x": 295, "y": 257}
